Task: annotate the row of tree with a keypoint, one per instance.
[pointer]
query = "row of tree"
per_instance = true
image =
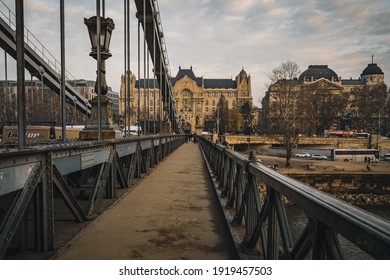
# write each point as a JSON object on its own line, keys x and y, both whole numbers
{"x": 232, "y": 120}
{"x": 41, "y": 108}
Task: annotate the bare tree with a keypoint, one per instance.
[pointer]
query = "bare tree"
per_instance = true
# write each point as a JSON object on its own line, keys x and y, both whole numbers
{"x": 324, "y": 107}
{"x": 368, "y": 104}
{"x": 246, "y": 111}
{"x": 285, "y": 110}
{"x": 235, "y": 120}
{"x": 222, "y": 113}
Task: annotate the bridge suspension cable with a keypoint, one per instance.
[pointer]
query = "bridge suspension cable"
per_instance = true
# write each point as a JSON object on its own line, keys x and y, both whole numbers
{"x": 154, "y": 42}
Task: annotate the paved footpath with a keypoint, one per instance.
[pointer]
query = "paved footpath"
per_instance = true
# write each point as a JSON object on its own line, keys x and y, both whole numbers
{"x": 171, "y": 214}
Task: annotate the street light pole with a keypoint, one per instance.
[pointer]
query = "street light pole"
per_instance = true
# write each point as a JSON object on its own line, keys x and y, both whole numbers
{"x": 379, "y": 129}
{"x": 19, "y": 7}
{"x": 6, "y": 89}
{"x": 63, "y": 105}
{"x": 99, "y": 70}
{"x": 100, "y": 30}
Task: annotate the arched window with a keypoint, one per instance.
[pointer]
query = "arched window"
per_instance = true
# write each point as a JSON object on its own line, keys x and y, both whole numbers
{"x": 186, "y": 93}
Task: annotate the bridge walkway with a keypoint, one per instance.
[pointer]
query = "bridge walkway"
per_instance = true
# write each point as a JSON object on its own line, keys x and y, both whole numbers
{"x": 171, "y": 214}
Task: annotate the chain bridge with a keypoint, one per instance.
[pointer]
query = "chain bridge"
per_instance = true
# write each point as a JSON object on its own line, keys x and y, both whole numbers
{"x": 159, "y": 196}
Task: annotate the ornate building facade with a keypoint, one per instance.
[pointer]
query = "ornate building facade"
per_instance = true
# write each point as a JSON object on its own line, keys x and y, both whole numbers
{"x": 196, "y": 98}
{"x": 319, "y": 79}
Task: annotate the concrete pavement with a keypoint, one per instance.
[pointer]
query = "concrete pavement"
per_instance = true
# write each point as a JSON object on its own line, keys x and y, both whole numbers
{"x": 171, "y": 214}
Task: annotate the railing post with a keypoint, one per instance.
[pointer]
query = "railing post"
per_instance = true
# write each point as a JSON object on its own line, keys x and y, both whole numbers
{"x": 272, "y": 233}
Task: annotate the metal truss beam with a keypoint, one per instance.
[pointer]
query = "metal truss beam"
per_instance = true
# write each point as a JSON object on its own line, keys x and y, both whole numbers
{"x": 68, "y": 195}
{"x": 31, "y": 176}
{"x": 17, "y": 209}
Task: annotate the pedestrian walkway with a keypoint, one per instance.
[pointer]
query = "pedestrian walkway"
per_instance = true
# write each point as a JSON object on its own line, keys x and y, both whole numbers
{"x": 171, "y": 214}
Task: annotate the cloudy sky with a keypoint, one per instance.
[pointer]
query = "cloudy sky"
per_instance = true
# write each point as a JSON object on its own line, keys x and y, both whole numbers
{"x": 219, "y": 37}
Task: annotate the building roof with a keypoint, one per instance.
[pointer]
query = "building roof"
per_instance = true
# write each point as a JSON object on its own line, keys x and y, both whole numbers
{"x": 186, "y": 72}
{"x": 316, "y": 72}
{"x": 242, "y": 71}
{"x": 208, "y": 83}
{"x": 286, "y": 82}
{"x": 220, "y": 83}
{"x": 372, "y": 69}
{"x": 148, "y": 82}
{"x": 352, "y": 82}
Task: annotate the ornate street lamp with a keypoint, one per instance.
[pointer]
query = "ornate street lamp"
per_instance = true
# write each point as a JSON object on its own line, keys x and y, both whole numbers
{"x": 101, "y": 124}
{"x": 106, "y": 27}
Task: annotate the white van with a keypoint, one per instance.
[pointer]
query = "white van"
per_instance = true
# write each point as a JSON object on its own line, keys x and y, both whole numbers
{"x": 133, "y": 130}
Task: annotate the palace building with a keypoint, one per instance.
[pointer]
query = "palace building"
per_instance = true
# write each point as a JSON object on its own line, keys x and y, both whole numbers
{"x": 320, "y": 79}
{"x": 196, "y": 98}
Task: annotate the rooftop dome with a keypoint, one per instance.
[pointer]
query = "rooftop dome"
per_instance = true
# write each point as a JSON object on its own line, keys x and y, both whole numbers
{"x": 242, "y": 71}
{"x": 315, "y": 72}
{"x": 372, "y": 69}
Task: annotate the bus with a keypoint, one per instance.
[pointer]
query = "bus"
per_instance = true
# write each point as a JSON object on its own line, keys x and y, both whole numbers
{"x": 355, "y": 155}
{"x": 339, "y": 133}
{"x": 363, "y": 135}
{"x": 36, "y": 133}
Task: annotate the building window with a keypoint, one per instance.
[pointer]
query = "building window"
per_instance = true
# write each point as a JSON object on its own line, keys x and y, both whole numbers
{"x": 207, "y": 103}
{"x": 213, "y": 102}
{"x": 207, "y": 109}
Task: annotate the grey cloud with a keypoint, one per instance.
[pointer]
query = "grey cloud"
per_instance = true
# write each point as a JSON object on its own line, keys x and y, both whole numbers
{"x": 218, "y": 37}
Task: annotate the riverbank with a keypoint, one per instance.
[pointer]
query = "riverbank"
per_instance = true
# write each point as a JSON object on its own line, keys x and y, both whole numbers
{"x": 298, "y": 165}
{"x": 345, "y": 180}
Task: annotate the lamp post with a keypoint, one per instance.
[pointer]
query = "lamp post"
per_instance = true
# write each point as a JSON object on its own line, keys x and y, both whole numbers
{"x": 106, "y": 27}
{"x": 100, "y": 31}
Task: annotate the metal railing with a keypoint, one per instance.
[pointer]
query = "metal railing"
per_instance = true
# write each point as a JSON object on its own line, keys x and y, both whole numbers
{"x": 257, "y": 195}
{"x": 41, "y": 185}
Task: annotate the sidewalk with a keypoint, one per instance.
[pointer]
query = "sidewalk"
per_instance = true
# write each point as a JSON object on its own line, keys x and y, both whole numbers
{"x": 171, "y": 214}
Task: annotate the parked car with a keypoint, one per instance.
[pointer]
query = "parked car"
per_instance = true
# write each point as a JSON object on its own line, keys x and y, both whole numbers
{"x": 387, "y": 157}
{"x": 319, "y": 157}
{"x": 305, "y": 154}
